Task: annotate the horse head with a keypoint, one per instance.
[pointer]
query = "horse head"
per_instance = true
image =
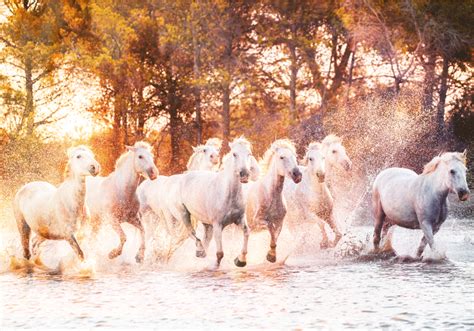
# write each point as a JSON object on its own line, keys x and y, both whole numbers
{"x": 283, "y": 154}
{"x": 314, "y": 161}
{"x": 81, "y": 162}
{"x": 335, "y": 152}
{"x": 143, "y": 160}
{"x": 240, "y": 156}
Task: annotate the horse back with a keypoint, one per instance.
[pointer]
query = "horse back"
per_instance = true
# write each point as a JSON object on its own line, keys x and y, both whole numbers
{"x": 395, "y": 189}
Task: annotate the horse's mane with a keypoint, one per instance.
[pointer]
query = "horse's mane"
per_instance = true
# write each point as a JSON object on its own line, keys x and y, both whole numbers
{"x": 331, "y": 139}
{"x": 269, "y": 153}
{"x": 197, "y": 152}
{"x": 216, "y": 142}
{"x": 314, "y": 146}
{"x": 431, "y": 166}
{"x": 139, "y": 144}
{"x": 70, "y": 150}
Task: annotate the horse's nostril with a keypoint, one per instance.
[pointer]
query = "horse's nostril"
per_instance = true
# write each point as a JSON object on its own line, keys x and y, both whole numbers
{"x": 244, "y": 173}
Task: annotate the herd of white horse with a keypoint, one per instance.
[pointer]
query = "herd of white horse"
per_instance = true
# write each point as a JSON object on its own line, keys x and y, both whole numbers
{"x": 218, "y": 193}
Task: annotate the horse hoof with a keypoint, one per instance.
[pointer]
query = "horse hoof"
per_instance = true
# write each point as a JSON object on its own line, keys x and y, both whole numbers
{"x": 139, "y": 259}
{"x": 239, "y": 263}
{"x": 271, "y": 258}
{"x": 113, "y": 255}
{"x": 201, "y": 254}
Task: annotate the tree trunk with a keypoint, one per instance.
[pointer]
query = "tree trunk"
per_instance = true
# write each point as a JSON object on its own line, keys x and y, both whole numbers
{"x": 293, "y": 74}
{"x": 172, "y": 100}
{"x": 197, "y": 86}
{"x": 29, "y": 111}
{"x": 443, "y": 90}
{"x": 429, "y": 82}
{"x": 174, "y": 133}
{"x": 117, "y": 125}
{"x": 226, "y": 115}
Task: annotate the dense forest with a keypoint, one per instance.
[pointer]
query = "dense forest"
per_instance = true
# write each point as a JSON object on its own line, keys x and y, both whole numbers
{"x": 394, "y": 78}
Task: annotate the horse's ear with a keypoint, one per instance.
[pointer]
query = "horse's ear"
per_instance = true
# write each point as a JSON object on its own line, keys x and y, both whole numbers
{"x": 130, "y": 148}
{"x": 194, "y": 148}
{"x": 464, "y": 156}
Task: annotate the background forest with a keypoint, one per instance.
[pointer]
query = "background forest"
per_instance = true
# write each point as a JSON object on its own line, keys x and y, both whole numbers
{"x": 393, "y": 78}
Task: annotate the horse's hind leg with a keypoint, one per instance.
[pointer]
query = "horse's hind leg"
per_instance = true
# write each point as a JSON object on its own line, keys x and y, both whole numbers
{"x": 387, "y": 236}
{"x": 117, "y": 251}
{"x": 135, "y": 221}
{"x": 379, "y": 219}
{"x": 38, "y": 240}
{"x": 25, "y": 232}
{"x": 185, "y": 217}
{"x": 75, "y": 246}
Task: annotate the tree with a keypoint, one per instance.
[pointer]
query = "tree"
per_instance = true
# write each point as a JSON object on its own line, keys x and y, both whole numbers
{"x": 36, "y": 39}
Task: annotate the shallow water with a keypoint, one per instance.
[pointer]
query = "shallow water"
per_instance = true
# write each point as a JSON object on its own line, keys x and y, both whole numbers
{"x": 311, "y": 290}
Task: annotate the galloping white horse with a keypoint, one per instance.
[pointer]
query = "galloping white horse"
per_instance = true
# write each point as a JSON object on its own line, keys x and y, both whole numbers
{"x": 310, "y": 200}
{"x": 53, "y": 212}
{"x": 215, "y": 199}
{"x": 266, "y": 206}
{"x": 404, "y": 198}
{"x": 114, "y": 197}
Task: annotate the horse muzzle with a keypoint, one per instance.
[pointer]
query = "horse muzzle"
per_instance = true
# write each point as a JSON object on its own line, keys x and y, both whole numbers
{"x": 94, "y": 170}
{"x": 244, "y": 176}
{"x": 321, "y": 177}
{"x": 463, "y": 195}
{"x": 296, "y": 175}
{"x": 152, "y": 174}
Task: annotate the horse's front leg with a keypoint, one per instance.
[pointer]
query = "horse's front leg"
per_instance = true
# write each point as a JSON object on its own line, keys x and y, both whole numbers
{"x": 118, "y": 229}
{"x": 218, "y": 239}
{"x": 75, "y": 246}
{"x": 274, "y": 229}
{"x": 207, "y": 235}
{"x": 241, "y": 260}
{"x": 429, "y": 230}
{"x": 424, "y": 241}
{"x": 135, "y": 221}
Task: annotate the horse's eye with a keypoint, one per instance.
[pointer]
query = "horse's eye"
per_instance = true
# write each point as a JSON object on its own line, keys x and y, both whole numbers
{"x": 235, "y": 155}
{"x": 282, "y": 157}
{"x": 311, "y": 159}
{"x": 140, "y": 156}
{"x": 334, "y": 151}
{"x": 78, "y": 157}
{"x": 205, "y": 150}
{"x": 453, "y": 171}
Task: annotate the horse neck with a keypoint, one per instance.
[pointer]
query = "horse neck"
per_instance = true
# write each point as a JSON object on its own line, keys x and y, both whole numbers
{"x": 310, "y": 181}
{"x": 272, "y": 181}
{"x": 232, "y": 184}
{"x": 126, "y": 178}
{"x": 73, "y": 191}
{"x": 438, "y": 184}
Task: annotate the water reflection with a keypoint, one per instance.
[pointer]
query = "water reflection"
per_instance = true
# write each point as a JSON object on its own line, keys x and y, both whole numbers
{"x": 315, "y": 291}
